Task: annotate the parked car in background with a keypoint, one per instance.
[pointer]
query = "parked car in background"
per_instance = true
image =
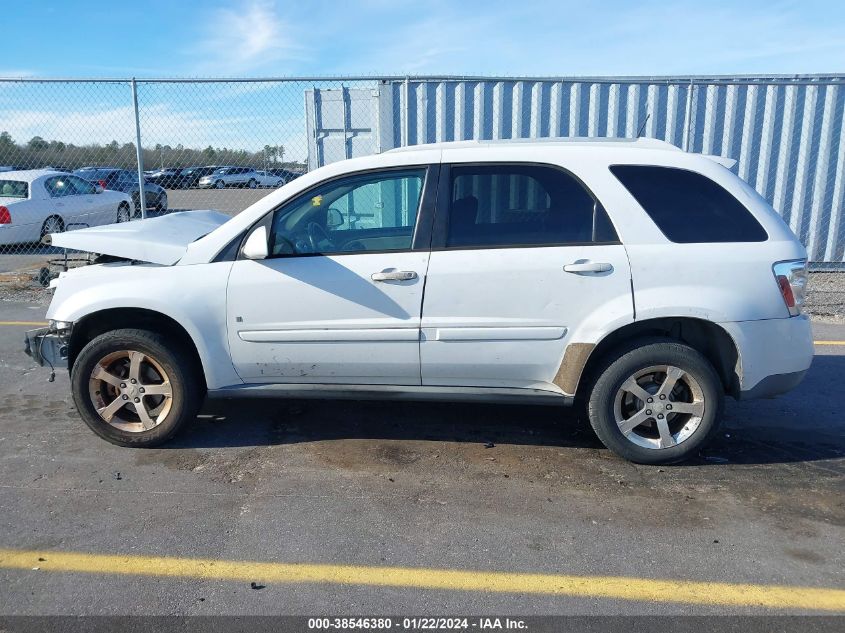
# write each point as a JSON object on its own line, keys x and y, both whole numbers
{"x": 285, "y": 174}
{"x": 190, "y": 176}
{"x": 126, "y": 181}
{"x": 626, "y": 276}
{"x": 266, "y": 179}
{"x": 168, "y": 178}
{"x": 36, "y": 202}
{"x": 223, "y": 177}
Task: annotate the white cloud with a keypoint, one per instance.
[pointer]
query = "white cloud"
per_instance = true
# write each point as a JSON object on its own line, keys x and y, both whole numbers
{"x": 247, "y": 37}
{"x": 16, "y": 73}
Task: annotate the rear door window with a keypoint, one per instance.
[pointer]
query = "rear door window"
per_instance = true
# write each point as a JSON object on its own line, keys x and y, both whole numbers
{"x": 688, "y": 207}
{"x": 59, "y": 187}
{"x": 522, "y": 205}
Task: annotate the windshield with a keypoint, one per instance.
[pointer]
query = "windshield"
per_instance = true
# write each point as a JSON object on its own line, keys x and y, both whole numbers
{"x": 13, "y": 189}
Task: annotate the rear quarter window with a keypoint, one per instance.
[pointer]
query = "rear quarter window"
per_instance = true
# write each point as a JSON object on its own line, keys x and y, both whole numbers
{"x": 688, "y": 207}
{"x": 13, "y": 189}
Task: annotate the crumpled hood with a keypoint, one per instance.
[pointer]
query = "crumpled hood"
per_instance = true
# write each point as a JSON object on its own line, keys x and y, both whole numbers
{"x": 161, "y": 240}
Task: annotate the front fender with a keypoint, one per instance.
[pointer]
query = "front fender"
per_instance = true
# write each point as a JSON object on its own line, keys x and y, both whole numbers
{"x": 193, "y": 296}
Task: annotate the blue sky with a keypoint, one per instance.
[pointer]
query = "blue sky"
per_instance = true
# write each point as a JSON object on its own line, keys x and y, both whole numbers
{"x": 524, "y": 37}
{"x": 261, "y": 38}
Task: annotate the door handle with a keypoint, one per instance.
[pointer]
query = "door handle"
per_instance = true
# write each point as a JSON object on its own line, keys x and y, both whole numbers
{"x": 588, "y": 267}
{"x": 397, "y": 275}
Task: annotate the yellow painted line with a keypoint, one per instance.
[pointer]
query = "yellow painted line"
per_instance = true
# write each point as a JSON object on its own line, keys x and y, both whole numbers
{"x": 621, "y": 588}
{"x": 23, "y": 322}
{"x": 829, "y": 342}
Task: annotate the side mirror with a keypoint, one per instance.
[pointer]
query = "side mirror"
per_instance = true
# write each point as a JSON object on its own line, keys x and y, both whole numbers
{"x": 255, "y": 246}
{"x": 334, "y": 218}
{"x": 98, "y": 188}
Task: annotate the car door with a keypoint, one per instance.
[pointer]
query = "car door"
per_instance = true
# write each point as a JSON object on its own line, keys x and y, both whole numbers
{"x": 65, "y": 201}
{"x": 93, "y": 207}
{"x": 522, "y": 253}
{"x": 339, "y": 299}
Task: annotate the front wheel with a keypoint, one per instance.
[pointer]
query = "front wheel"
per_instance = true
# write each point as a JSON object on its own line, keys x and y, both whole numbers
{"x": 136, "y": 387}
{"x": 252, "y": 184}
{"x": 657, "y": 402}
{"x": 162, "y": 203}
{"x": 220, "y": 184}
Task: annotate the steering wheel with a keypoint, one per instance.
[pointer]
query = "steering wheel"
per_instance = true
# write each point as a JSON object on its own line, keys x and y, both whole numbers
{"x": 315, "y": 233}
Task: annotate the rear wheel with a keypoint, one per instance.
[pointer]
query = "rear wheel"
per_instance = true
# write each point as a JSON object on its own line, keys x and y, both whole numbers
{"x": 657, "y": 402}
{"x": 135, "y": 387}
{"x": 162, "y": 203}
{"x": 123, "y": 213}
{"x": 252, "y": 183}
{"x": 53, "y": 224}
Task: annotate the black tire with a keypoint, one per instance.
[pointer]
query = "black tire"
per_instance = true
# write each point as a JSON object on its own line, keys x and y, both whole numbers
{"x": 252, "y": 184}
{"x": 219, "y": 185}
{"x": 184, "y": 376}
{"x": 162, "y": 204}
{"x": 618, "y": 366}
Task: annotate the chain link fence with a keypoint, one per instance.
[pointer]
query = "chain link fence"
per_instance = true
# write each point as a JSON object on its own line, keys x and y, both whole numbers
{"x": 224, "y": 144}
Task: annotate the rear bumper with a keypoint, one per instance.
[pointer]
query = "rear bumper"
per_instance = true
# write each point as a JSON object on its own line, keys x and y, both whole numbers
{"x": 774, "y": 354}
{"x": 774, "y": 385}
{"x": 47, "y": 347}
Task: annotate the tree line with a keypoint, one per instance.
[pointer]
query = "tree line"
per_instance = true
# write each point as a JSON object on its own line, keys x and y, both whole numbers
{"x": 39, "y": 152}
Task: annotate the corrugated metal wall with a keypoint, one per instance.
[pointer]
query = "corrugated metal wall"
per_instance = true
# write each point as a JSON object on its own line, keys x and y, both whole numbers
{"x": 786, "y": 133}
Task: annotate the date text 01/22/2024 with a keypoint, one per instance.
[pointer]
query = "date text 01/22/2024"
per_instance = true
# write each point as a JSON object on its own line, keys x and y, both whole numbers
{"x": 417, "y": 624}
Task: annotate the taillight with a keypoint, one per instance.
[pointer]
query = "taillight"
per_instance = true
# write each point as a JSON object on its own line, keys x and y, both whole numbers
{"x": 102, "y": 183}
{"x": 791, "y": 278}
{"x": 5, "y": 217}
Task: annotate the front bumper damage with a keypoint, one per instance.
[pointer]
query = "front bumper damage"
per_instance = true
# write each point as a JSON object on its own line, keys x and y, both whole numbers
{"x": 48, "y": 346}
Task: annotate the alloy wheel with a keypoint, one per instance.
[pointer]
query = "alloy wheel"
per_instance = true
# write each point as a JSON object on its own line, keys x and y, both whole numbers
{"x": 52, "y": 225}
{"x": 130, "y": 391}
{"x": 659, "y": 407}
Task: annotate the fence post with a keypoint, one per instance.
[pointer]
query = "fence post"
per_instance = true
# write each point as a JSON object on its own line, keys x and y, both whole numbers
{"x": 139, "y": 152}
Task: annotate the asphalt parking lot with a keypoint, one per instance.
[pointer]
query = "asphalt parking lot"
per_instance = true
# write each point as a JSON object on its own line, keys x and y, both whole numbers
{"x": 292, "y": 507}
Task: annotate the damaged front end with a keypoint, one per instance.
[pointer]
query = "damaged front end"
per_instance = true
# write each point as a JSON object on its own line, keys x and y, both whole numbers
{"x": 48, "y": 346}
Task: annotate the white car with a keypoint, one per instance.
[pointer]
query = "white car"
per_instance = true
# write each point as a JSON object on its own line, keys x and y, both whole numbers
{"x": 230, "y": 176}
{"x": 266, "y": 179}
{"x": 629, "y": 277}
{"x": 36, "y": 202}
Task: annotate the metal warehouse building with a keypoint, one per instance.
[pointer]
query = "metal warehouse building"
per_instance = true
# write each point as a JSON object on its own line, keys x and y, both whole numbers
{"x": 787, "y": 133}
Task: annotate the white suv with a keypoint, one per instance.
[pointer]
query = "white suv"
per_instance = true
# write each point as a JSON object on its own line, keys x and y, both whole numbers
{"x": 635, "y": 279}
